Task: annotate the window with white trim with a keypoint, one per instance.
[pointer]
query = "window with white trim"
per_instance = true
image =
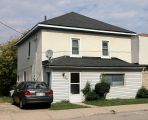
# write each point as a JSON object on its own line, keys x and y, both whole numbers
{"x": 105, "y": 48}
{"x": 75, "y": 46}
{"x": 114, "y": 79}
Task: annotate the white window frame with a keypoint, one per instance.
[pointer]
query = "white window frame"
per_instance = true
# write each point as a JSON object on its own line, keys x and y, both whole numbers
{"x": 104, "y": 56}
{"x": 79, "y": 45}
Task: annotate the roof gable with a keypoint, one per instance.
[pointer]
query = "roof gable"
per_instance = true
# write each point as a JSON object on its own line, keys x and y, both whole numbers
{"x": 73, "y": 19}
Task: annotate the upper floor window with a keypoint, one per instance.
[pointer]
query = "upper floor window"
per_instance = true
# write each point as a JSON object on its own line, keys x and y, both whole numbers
{"x": 105, "y": 48}
{"x": 75, "y": 46}
{"x": 29, "y": 48}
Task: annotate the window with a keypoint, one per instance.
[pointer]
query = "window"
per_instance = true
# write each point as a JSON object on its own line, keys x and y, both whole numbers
{"x": 29, "y": 46}
{"x": 114, "y": 79}
{"x": 75, "y": 46}
{"x": 105, "y": 51}
{"x": 24, "y": 75}
{"x": 75, "y": 83}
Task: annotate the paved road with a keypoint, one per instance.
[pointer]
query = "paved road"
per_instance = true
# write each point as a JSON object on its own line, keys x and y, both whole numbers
{"x": 140, "y": 115}
{"x": 11, "y": 112}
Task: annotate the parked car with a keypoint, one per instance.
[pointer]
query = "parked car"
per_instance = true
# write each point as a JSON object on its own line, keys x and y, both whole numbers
{"x": 32, "y": 92}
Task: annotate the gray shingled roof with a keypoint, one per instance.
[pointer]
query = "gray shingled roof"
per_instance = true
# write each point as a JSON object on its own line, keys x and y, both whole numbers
{"x": 73, "y": 19}
{"x": 67, "y": 61}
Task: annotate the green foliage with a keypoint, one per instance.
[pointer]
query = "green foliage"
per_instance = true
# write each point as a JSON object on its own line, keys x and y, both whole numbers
{"x": 91, "y": 96}
{"x": 86, "y": 89}
{"x": 8, "y": 63}
{"x": 102, "y": 89}
{"x": 142, "y": 93}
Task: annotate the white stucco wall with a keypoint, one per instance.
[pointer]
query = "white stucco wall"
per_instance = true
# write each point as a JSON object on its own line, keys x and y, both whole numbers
{"x": 90, "y": 44}
{"x": 61, "y": 86}
{"x": 31, "y": 65}
{"x": 143, "y": 47}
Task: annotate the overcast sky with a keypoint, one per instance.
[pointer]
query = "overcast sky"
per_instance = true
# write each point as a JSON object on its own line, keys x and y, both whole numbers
{"x": 24, "y": 14}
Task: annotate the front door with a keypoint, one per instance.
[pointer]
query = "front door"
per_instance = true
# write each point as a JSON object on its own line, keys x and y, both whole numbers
{"x": 75, "y": 92}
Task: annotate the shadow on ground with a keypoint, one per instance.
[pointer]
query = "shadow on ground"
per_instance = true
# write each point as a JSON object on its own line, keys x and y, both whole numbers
{"x": 34, "y": 106}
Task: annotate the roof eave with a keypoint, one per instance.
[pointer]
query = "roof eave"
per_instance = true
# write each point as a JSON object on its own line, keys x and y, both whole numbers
{"x": 100, "y": 68}
{"x": 71, "y": 28}
{"x": 85, "y": 29}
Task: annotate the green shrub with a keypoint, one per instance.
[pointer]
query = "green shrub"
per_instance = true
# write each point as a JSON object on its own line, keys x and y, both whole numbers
{"x": 142, "y": 93}
{"x": 102, "y": 89}
{"x": 86, "y": 89}
{"x": 91, "y": 96}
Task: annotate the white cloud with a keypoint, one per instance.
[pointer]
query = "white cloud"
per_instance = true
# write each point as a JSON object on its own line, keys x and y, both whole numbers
{"x": 130, "y": 14}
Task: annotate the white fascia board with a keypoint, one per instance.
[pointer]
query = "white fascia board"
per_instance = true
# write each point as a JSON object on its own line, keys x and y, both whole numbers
{"x": 84, "y": 29}
{"x": 73, "y": 28}
{"x": 35, "y": 27}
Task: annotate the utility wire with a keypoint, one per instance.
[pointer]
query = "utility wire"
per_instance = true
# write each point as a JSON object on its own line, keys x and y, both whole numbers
{"x": 11, "y": 28}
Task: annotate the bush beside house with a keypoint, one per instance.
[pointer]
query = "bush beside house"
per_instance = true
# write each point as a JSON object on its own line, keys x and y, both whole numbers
{"x": 142, "y": 93}
{"x": 100, "y": 91}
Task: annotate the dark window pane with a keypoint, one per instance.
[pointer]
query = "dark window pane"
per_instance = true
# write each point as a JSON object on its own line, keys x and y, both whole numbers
{"x": 29, "y": 49}
{"x": 75, "y": 43}
{"x": 105, "y": 44}
{"x": 75, "y": 46}
{"x": 75, "y": 88}
{"x": 74, "y": 77}
{"x": 75, "y": 50}
{"x": 105, "y": 48}
{"x": 105, "y": 52}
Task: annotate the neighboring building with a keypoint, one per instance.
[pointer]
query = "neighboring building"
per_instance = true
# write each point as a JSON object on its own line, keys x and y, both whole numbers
{"x": 143, "y": 56}
{"x": 84, "y": 49}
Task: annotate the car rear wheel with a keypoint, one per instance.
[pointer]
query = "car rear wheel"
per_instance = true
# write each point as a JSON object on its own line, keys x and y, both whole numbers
{"x": 21, "y": 105}
{"x": 49, "y": 105}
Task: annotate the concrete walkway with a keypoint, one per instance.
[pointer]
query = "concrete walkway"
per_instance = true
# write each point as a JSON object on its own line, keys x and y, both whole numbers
{"x": 10, "y": 112}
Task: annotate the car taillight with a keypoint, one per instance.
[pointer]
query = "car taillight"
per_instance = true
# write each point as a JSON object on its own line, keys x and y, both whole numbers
{"x": 27, "y": 93}
{"x": 50, "y": 92}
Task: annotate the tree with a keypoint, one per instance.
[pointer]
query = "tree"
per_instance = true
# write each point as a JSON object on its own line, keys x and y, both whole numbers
{"x": 8, "y": 66}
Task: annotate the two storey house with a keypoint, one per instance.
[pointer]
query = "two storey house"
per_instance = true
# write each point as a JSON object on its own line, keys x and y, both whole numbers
{"x": 84, "y": 49}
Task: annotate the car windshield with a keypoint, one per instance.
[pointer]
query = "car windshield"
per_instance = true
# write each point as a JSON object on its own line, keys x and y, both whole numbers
{"x": 36, "y": 85}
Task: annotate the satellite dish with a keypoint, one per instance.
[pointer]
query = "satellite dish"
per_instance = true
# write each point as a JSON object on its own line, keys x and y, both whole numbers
{"x": 49, "y": 54}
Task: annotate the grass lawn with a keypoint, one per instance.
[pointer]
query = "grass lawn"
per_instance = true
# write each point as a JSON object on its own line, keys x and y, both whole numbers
{"x": 5, "y": 100}
{"x": 65, "y": 105}
{"x": 114, "y": 102}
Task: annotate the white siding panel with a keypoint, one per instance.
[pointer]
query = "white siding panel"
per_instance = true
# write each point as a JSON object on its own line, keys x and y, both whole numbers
{"x": 133, "y": 81}
{"x": 60, "y": 86}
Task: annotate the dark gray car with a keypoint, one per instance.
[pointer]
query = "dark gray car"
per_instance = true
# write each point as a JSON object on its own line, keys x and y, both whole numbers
{"x": 32, "y": 92}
